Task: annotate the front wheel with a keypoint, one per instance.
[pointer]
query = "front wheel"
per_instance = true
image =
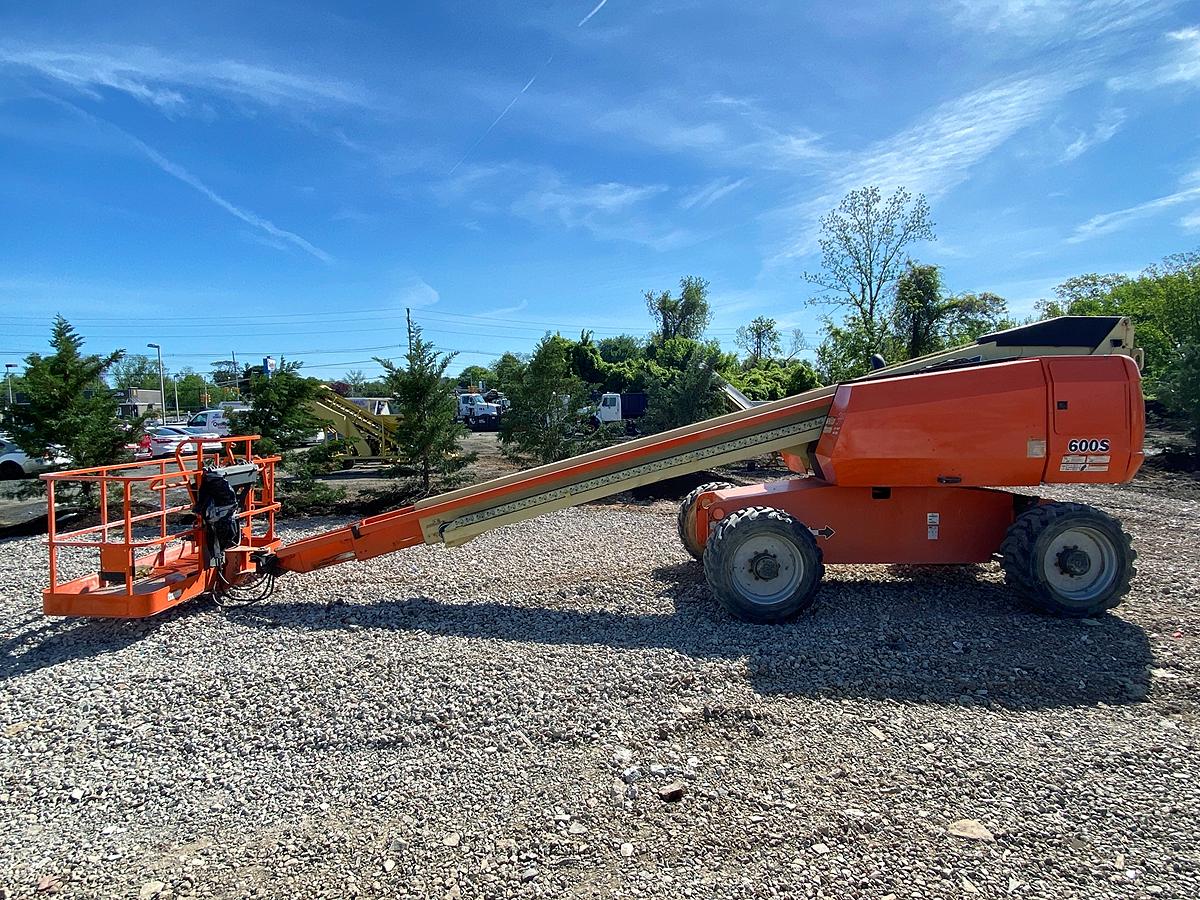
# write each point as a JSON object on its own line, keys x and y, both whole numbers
{"x": 1068, "y": 559}
{"x": 763, "y": 565}
{"x": 11, "y": 470}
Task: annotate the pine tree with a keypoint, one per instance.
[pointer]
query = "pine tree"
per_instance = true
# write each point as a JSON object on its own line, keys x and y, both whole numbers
{"x": 71, "y": 412}
{"x": 279, "y": 408}
{"x": 425, "y": 403}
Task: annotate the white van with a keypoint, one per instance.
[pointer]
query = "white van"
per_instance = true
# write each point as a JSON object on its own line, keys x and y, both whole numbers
{"x": 209, "y": 421}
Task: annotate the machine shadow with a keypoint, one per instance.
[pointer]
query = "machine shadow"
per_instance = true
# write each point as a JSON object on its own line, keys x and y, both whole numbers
{"x": 52, "y": 642}
{"x": 936, "y": 640}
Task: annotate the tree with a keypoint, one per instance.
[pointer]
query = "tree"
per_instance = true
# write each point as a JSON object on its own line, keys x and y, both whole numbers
{"x": 687, "y": 387}
{"x": 474, "y": 376}
{"x": 974, "y": 315}
{"x": 622, "y": 348}
{"x": 684, "y": 316}
{"x": 549, "y": 417}
{"x": 279, "y": 408}
{"x": 845, "y": 350}
{"x": 772, "y": 379}
{"x": 862, "y": 254}
{"x": 70, "y": 410}
{"x": 919, "y": 310}
{"x": 1180, "y": 389}
{"x": 507, "y": 371}
{"x": 194, "y": 390}
{"x": 356, "y": 379}
{"x": 1081, "y": 295}
{"x": 426, "y": 405}
{"x": 134, "y": 371}
{"x": 760, "y": 339}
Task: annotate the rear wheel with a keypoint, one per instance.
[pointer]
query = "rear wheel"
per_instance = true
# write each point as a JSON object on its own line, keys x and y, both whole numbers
{"x": 1068, "y": 559}
{"x": 687, "y": 517}
{"x": 763, "y": 565}
{"x": 10, "y": 470}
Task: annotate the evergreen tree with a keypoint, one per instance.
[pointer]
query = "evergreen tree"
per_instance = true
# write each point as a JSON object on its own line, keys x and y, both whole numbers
{"x": 71, "y": 412}
{"x": 279, "y": 408}
{"x": 425, "y": 403}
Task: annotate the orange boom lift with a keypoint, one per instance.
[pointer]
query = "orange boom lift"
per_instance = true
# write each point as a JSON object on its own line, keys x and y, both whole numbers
{"x": 903, "y": 465}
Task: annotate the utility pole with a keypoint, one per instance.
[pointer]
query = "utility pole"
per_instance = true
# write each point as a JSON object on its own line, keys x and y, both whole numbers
{"x": 237, "y": 376}
{"x": 162, "y": 385}
{"x": 8, "y": 367}
{"x": 408, "y": 318}
{"x": 175, "y": 388}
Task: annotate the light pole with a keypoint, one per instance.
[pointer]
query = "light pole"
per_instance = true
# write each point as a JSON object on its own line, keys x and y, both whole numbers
{"x": 175, "y": 388}
{"x": 8, "y": 367}
{"x": 162, "y": 386}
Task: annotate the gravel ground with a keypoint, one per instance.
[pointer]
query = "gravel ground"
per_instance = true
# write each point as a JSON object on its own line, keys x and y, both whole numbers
{"x": 506, "y": 718}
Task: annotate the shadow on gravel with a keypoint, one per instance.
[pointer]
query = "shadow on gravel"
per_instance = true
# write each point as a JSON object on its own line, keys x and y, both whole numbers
{"x": 51, "y": 642}
{"x": 932, "y": 636}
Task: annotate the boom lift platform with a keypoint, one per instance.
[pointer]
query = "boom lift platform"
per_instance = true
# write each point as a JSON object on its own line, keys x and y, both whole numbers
{"x": 900, "y": 466}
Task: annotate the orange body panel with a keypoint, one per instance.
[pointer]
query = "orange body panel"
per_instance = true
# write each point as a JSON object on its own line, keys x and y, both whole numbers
{"x": 1012, "y": 423}
{"x": 920, "y": 525}
{"x": 1098, "y": 420}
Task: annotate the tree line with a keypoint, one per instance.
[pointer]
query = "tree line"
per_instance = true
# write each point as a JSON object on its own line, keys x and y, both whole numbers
{"x": 877, "y": 301}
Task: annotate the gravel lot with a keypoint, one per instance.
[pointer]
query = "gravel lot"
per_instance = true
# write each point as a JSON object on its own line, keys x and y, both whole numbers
{"x": 499, "y": 720}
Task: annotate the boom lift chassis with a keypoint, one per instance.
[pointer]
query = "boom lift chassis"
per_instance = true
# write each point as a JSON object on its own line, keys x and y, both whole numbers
{"x": 904, "y": 465}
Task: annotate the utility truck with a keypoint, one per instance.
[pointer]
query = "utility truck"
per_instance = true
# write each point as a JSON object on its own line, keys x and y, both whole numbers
{"x": 477, "y": 414}
{"x": 613, "y": 407}
{"x": 933, "y": 461}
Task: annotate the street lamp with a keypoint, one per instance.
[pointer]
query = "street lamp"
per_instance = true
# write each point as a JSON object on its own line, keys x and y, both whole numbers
{"x": 8, "y": 367}
{"x": 162, "y": 386}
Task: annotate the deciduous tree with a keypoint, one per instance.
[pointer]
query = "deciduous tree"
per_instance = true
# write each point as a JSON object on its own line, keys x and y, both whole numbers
{"x": 863, "y": 243}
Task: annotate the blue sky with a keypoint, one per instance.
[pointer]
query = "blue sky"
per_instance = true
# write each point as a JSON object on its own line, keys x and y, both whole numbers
{"x": 285, "y": 178}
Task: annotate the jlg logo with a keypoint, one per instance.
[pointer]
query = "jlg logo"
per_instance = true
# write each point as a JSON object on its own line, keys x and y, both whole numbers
{"x": 1088, "y": 445}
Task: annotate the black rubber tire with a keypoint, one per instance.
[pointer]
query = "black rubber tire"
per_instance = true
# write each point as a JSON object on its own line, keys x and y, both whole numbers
{"x": 686, "y": 520}
{"x": 721, "y": 552}
{"x": 10, "y": 470}
{"x": 1031, "y": 536}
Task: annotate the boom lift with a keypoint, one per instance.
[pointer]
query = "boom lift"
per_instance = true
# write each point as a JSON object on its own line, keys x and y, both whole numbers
{"x": 900, "y": 466}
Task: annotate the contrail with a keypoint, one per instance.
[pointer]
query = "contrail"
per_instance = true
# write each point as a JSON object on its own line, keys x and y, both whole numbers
{"x": 599, "y": 6}
{"x": 511, "y": 104}
{"x": 177, "y": 171}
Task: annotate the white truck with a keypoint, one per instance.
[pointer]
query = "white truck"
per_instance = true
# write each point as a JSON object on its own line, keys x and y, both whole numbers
{"x": 477, "y": 414}
{"x": 214, "y": 421}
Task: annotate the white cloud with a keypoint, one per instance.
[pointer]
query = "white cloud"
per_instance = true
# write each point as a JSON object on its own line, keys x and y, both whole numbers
{"x": 610, "y": 210}
{"x": 415, "y": 291}
{"x": 937, "y": 152}
{"x": 1106, "y": 223}
{"x": 1050, "y": 21}
{"x": 708, "y": 194}
{"x": 1109, "y": 124}
{"x": 1182, "y": 66}
{"x": 166, "y": 82}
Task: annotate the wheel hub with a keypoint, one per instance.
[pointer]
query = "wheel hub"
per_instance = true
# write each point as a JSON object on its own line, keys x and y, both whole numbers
{"x": 1073, "y": 562}
{"x": 764, "y": 566}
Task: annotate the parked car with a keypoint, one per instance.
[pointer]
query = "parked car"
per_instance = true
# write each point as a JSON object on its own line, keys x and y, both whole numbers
{"x": 16, "y": 463}
{"x": 161, "y": 442}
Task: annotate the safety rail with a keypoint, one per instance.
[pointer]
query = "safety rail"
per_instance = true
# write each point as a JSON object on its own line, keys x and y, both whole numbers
{"x": 146, "y": 567}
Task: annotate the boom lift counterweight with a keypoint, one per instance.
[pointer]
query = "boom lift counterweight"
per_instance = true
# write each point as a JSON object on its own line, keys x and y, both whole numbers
{"x": 900, "y": 466}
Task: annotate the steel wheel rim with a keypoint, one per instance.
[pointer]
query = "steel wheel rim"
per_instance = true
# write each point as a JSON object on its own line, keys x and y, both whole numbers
{"x": 752, "y": 561}
{"x": 1060, "y": 554}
